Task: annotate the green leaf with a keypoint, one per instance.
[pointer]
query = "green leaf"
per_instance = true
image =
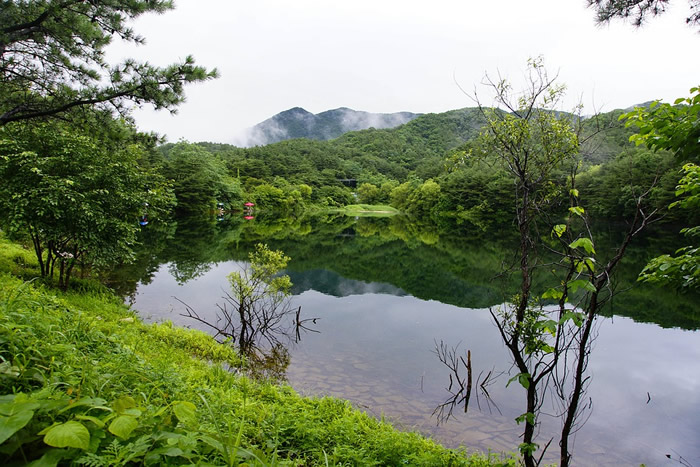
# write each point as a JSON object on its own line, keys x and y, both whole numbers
{"x": 548, "y": 325}
{"x": 50, "y": 459}
{"x": 169, "y": 451}
{"x": 95, "y": 420}
{"x": 93, "y": 402}
{"x": 553, "y": 293}
{"x": 71, "y": 434}
{"x": 581, "y": 284}
{"x": 8, "y": 369}
{"x": 523, "y": 379}
{"x": 559, "y": 230}
{"x": 590, "y": 262}
{"x": 11, "y": 404}
{"x": 576, "y": 317}
{"x": 123, "y": 403}
{"x": 528, "y": 417}
{"x": 214, "y": 443}
{"x": 574, "y": 192}
{"x": 123, "y": 425}
{"x": 577, "y": 210}
{"x": 185, "y": 412}
{"x": 584, "y": 242}
{"x": 15, "y": 422}
{"x": 528, "y": 448}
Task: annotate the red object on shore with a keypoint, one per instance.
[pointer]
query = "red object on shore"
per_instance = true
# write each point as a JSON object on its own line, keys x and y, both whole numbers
{"x": 249, "y": 204}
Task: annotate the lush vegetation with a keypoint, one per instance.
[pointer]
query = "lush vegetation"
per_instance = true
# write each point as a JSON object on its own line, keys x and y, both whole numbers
{"x": 76, "y": 197}
{"x": 424, "y": 168}
{"x": 675, "y": 128}
{"x": 85, "y": 382}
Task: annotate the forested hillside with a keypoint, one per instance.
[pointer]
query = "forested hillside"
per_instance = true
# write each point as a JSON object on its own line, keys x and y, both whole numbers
{"x": 424, "y": 167}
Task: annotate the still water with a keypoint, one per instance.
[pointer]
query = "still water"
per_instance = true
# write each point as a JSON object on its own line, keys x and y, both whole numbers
{"x": 384, "y": 293}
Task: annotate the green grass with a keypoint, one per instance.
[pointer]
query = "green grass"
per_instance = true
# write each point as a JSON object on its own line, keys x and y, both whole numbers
{"x": 16, "y": 259}
{"x": 369, "y": 210}
{"x": 83, "y": 381}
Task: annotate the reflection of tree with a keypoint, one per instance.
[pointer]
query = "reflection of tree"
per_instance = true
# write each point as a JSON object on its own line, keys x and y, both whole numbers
{"x": 191, "y": 250}
{"x": 148, "y": 256}
{"x": 256, "y": 315}
{"x": 459, "y": 269}
{"x": 460, "y": 383}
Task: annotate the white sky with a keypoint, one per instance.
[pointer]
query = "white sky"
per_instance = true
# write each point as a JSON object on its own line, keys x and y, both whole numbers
{"x": 399, "y": 55}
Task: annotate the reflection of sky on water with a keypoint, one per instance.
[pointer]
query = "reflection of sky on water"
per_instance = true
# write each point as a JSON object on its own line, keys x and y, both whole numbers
{"x": 378, "y": 348}
{"x": 631, "y": 360}
{"x": 155, "y": 301}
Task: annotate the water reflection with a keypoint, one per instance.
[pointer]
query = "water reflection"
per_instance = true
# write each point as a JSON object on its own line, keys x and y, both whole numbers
{"x": 461, "y": 268}
{"x": 262, "y": 338}
{"x": 385, "y": 296}
{"x": 256, "y": 313}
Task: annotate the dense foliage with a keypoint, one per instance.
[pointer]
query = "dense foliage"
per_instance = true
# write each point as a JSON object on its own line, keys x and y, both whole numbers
{"x": 675, "y": 128}
{"x": 76, "y": 198}
{"x": 423, "y": 168}
{"x": 83, "y": 381}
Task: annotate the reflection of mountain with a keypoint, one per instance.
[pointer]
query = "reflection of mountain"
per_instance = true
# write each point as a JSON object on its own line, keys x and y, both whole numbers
{"x": 393, "y": 256}
{"x": 331, "y": 283}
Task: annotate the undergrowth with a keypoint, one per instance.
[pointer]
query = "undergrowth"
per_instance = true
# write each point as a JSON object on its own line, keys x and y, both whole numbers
{"x": 84, "y": 382}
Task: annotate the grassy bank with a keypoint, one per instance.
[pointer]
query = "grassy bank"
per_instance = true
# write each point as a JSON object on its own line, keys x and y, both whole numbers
{"x": 84, "y": 381}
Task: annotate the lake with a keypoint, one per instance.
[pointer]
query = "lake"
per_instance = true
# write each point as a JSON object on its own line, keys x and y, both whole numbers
{"x": 384, "y": 293}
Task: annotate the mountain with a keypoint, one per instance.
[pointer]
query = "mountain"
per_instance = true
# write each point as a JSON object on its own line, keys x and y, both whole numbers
{"x": 299, "y": 123}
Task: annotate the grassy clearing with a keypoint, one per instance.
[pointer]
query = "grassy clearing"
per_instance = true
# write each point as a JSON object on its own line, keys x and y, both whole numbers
{"x": 369, "y": 210}
{"x": 84, "y": 381}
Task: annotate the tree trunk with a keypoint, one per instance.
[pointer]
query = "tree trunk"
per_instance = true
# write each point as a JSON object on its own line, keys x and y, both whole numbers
{"x": 529, "y": 433}
{"x": 565, "y": 455}
{"x": 61, "y": 272}
{"x": 36, "y": 241}
{"x": 50, "y": 259}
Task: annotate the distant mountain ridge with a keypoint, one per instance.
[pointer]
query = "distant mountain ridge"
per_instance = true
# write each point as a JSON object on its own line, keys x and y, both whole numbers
{"x": 300, "y": 123}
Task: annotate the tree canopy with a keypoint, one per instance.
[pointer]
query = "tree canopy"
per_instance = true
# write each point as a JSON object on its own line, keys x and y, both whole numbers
{"x": 52, "y": 59}
{"x": 638, "y": 11}
{"x": 75, "y": 199}
{"x": 675, "y": 128}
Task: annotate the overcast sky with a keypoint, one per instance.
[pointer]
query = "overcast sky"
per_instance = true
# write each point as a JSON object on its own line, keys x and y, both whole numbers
{"x": 399, "y": 55}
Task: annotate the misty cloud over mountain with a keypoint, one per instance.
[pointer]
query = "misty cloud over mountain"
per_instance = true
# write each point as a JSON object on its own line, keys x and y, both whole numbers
{"x": 299, "y": 123}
